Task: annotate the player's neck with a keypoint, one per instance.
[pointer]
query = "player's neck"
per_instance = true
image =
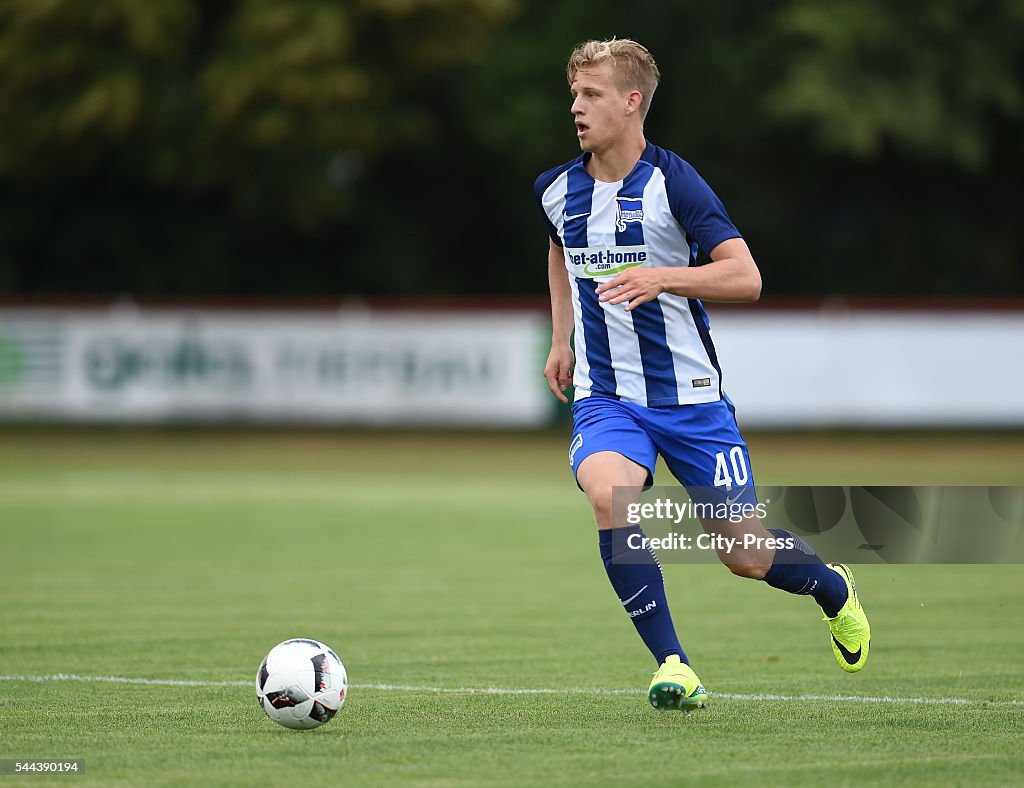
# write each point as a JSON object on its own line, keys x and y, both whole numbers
{"x": 617, "y": 161}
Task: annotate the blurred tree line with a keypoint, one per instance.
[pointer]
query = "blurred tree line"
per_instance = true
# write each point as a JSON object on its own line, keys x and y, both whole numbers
{"x": 365, "y": 147}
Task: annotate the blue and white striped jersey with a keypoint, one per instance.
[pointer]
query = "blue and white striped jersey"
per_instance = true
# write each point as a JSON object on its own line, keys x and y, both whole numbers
{"x": 661, "y": 352}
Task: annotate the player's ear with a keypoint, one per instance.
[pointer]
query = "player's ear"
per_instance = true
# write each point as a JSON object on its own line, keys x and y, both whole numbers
{"x": 633, "y": 101}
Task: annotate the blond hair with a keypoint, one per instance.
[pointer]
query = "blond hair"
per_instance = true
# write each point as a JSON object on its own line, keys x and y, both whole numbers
{"x": 633, "y": 67}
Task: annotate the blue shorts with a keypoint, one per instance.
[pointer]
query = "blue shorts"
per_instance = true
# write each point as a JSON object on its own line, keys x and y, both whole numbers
{"x": 700, "y": 443}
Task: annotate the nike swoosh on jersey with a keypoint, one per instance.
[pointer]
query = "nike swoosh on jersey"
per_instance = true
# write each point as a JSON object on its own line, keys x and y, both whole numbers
{"x": 638, "y": 593}
{"x": 566, "y": 217}
{"x": 852, "y": 658}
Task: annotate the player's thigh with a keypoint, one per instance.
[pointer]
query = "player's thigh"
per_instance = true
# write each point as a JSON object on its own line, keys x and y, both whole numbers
{"x": 611, "y": 454}
{"x": 706, "y": 452}
{"x": 611, "y": 482}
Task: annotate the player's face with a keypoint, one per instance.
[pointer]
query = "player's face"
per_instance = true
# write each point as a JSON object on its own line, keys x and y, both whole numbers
{"x": 599, "y": 108}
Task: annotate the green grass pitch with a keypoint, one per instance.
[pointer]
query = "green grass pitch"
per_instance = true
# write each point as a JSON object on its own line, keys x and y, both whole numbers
{"x": 438, "y": 564}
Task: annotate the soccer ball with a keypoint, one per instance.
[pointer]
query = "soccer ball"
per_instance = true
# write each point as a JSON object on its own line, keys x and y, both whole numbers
{"x": 301, "y": 684}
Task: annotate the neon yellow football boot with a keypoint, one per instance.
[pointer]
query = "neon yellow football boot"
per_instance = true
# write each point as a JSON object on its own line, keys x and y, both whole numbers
{"x": 851, "y": 633}
{"x": 676, "y": 686}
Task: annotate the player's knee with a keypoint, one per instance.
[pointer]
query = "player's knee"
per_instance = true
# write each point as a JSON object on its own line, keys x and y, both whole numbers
{"x": 601, "y": 500}
{"x": 753, "y": 570}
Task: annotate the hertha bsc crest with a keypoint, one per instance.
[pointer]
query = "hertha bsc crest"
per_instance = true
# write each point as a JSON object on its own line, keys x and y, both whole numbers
{"x": 628, "y": 209}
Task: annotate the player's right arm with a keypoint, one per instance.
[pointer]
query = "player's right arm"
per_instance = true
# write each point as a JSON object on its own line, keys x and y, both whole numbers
{"x": 558, "y": 369}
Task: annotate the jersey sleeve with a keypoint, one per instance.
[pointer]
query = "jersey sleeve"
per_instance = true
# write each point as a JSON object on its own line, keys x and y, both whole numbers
{"x": 697, "y": 208}
{"x": 540, "y": 186}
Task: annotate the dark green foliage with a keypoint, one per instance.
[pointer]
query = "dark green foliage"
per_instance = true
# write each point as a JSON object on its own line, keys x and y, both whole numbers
{"x": 388, "y": 147}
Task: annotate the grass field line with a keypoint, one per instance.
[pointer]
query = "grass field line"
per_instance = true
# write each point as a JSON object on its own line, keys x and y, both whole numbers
{"x": 523, "y": 691}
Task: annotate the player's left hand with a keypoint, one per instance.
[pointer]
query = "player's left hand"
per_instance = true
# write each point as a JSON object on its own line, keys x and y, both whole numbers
{"x": 632, "y": 287}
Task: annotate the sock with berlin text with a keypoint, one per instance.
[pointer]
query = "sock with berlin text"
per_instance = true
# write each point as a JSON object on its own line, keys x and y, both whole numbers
{"x": 636, "y": 576}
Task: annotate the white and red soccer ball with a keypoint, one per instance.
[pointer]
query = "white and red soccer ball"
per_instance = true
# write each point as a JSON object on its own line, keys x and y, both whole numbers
{"x": 301, "y": 683}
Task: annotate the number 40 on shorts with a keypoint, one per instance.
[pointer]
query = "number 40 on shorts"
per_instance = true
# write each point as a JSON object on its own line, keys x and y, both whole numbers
{"x": 737, "y": 463}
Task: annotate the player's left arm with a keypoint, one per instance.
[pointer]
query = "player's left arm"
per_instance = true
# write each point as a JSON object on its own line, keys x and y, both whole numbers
{"x": 731, "y": 276}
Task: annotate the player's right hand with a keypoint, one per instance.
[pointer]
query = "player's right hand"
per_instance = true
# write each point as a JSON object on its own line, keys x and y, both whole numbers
{"x": 558, "y": 370}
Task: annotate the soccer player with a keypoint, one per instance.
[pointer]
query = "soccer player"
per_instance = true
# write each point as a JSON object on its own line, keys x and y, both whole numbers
{"x": 626, "y": 219}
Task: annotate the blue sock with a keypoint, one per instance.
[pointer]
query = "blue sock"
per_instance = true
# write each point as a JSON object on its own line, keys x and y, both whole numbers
{"x": 641, "y": 589}
{"x": 799, "y": 571}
